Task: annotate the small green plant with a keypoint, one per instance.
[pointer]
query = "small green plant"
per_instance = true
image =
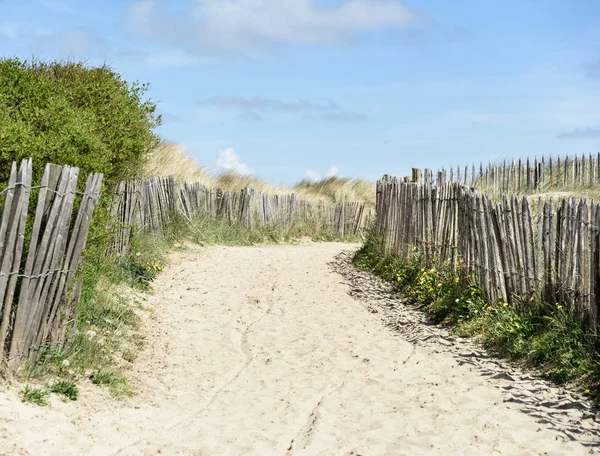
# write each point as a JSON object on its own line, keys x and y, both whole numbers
{"x": 139, "y": 275}
{"x": 371, "y": 257}
{"x": 115, "y": 382}
{"x": 65, "y": 388}
{"x": 457, "y": 301}
{"x": 35, "y": 395}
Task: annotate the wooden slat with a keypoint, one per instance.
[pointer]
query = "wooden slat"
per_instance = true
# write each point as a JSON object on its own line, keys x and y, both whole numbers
{"x": 12, "y": 236}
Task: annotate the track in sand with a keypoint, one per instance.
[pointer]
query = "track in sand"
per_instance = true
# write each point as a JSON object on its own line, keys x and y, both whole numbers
{"x": 262, "y": 351}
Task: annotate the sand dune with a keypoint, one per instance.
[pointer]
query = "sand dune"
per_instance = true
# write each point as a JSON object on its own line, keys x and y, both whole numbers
{"x": 262, "y": 351}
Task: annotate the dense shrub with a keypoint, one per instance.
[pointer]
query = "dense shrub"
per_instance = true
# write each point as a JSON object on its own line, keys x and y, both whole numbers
{"x": 70, "y": 113}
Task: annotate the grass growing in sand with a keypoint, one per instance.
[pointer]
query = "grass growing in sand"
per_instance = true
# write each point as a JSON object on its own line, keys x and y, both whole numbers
{"x": 67, "y": 389}
{"x": 107, "y": 334}
{"x": 169, "y": 159}
{"x": 41, "y": 395}
{"x": 339, "y": 189}
{"x": 111, "y": 130}
{"x": 545, "y": 336}
{"x": 35, "y": 395}
{"x": 117, "y": 383}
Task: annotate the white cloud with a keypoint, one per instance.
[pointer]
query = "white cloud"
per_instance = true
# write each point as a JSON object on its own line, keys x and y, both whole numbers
{"x": 21, "y": 30}
{"x": 333, "y": 172}
{"x": 58, "y": 6}
{"x": 581, "y": 133}
{"x": 271, "y": 104}
{"x": 593, "y": 69}
{"x": 173, "y": 59}
{"x": 249, "y": 117}
{"x": 249, "y": 27}
{"x": 141, "y": 11}
{"x": 229, "y": 161}
{"x": 312, "y": 176}
{"x": 465, "y": 116}
{"x": 251, "y": 108}
{"x": 78, "y": 42}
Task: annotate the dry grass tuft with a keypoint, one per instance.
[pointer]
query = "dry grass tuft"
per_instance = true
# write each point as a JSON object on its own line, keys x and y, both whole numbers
{"x": 171, "y": 159}
{"x": 233, "y": 182}
{"x": 337, "y": 189}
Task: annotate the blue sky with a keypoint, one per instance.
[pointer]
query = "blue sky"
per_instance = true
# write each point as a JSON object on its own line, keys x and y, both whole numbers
{"x": 293, "y": 88}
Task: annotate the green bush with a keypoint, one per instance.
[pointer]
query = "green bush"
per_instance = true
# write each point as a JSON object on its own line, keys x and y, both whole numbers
{"x": 70, "y": 113}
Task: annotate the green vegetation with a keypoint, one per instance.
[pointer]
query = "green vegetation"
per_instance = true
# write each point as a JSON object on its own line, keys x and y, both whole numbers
{"x": 89, "y": 117}
{"x": 339, "y": 189}
{"x": 69, "y": 113}
{"x": 545, "y": 336}
{"x": 66, "y": 389}
{"x": 108, "y": 336}
{"x": 210, "y": 230}
{"x": 33, "y": 395}
{"x": 40, "y": 396}
{"x": 168, "y": 159}
{"x": 115, "y": 382}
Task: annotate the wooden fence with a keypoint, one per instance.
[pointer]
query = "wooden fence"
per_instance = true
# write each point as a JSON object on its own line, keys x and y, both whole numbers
{"x": 39, "y": 258}
{"x": 147, "y": 204}
{"x": 516, "y": 250}
{"x": 522, "y": 176}
{"x": 152, "y": 203}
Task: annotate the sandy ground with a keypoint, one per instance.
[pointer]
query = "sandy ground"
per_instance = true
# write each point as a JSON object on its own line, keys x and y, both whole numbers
{"x": 262, "y": 351}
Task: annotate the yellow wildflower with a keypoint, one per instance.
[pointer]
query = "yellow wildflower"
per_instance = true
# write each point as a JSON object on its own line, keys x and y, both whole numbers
{"x": 489, "y": 308}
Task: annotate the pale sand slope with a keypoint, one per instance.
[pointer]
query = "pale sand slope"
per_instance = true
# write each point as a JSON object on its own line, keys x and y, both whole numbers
{"x": 261, "y": 351}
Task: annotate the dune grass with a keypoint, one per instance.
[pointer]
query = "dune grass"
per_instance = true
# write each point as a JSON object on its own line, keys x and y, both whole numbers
{"x": 339, "y": 189}
{"x": 171, "y": 159}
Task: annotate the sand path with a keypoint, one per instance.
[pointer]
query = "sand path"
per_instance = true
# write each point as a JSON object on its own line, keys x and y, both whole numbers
{"x": 261, "y": 351}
